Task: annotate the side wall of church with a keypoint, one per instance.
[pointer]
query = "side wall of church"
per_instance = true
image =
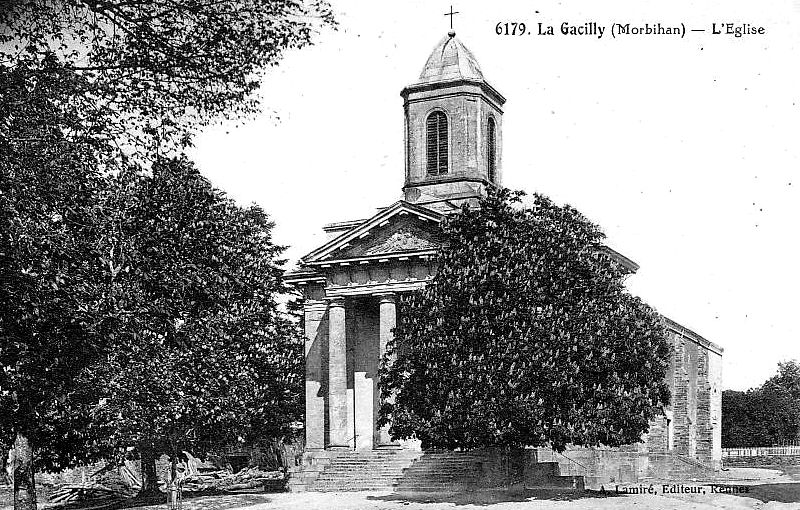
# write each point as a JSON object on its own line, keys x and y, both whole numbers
{"x": 657, "y": 438}
{"x": 715, "y": 406}
{"x": 684, "y": 399}
{"x": 704, "y": 434}
{"x": 696, "y": 401}
{"x": 691, "y": 428}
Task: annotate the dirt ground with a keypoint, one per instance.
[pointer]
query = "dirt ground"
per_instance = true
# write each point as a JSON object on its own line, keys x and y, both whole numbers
{"x": 485, "y": 501}
{"x": 533, "y": 500}
{"x": 742, "y": 488}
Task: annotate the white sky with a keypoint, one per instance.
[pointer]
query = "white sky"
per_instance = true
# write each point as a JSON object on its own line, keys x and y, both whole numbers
{"x": 686, "y": 151}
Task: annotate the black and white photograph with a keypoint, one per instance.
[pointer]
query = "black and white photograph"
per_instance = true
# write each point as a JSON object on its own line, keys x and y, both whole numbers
{"x": 340, "y": 254}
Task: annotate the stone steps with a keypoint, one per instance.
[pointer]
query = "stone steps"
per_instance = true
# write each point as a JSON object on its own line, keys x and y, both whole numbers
{"x": 462, "y": 471}
{"x": 365, "y": 465}
{"x": 352, "y": 471}
{"x": 345, "y": 465}
{"x": 442, "y": 472}
{"x": 408, "y": 471}
{"x": 341, "y": 470}
{"x": 364, "y": 475}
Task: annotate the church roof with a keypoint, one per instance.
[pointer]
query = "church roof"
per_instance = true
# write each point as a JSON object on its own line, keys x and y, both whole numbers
{"x": 451, "y": 60}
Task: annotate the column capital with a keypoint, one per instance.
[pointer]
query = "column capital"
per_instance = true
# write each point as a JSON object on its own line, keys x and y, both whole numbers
{"x": 387, "y": 297}
{"x": 315, "y": 304}
{"x": 337, "y": 301}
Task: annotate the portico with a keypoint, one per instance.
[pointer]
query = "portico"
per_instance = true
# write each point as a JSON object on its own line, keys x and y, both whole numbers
{"x": 351, "y": 286}
{"x": 359, "y": 328}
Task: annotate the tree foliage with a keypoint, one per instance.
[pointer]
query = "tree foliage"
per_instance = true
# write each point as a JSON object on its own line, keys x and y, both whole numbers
{"x": 54, "y": 311}
{"x": 84, "y": 85}
{"x": 525, "y": 336}
{"x": 787, "y": 378}
{"x": 112, "y": 279}
{"x": 205, "y": 356}
{"x": 54, "y": 319}
{"x": 764, "y": 416}
{"x": 161, "y": 67}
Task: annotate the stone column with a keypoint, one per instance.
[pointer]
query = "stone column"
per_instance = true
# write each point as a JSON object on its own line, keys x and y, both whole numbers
{"x": 316, "y": 333}
{"x": 388, "y": 320}
{"x": 337, "y": 374}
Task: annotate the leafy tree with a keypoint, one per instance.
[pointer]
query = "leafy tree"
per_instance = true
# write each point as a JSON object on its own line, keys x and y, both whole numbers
{"x": 161, "y": 66}
{"x": 787, "y": 378}
{"x": 764, "y": 416}
{"x": 734, "y": 411}
{"x": 83, "y": 81}
{"x": 54, "y": 319}
{"x": 525, "y": 336}
{"x": 205, "y": 355}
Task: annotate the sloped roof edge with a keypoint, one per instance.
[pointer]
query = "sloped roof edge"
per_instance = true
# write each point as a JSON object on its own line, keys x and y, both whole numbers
{"x": 369, "y": 224}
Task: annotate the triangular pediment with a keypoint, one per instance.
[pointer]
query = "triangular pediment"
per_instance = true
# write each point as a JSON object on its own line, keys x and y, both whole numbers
{"x": 401, "y": 228}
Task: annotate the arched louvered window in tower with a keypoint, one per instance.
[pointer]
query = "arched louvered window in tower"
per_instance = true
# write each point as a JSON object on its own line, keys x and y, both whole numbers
{"x": 491, "y": 132}
{"x": 437, "y": 143}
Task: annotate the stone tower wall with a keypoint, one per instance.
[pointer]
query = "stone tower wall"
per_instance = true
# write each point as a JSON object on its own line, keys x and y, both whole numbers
{"x": 468, "y": 110}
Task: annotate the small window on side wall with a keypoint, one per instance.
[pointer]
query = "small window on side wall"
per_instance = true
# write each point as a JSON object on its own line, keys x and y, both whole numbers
{"x": 491, "y": 133}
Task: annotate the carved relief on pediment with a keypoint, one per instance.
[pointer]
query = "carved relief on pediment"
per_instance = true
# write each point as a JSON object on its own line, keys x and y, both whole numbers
{"x": 402, "y": 240}
{"x": 401, "y": 235}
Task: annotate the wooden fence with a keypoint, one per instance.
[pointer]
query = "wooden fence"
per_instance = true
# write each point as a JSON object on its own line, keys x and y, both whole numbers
{"x": 761, "y": 451}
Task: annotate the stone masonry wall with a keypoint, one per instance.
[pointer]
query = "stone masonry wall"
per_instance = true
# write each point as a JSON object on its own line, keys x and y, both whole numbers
{"x": 703, "y": 435}
{"x": 696, "y": 400}
{"x": 658, "y": 436}
{"x": 467, "y": 109}
{"x": 715, "y": 406}
{"x": 691, "y": 399}
{"x": 680, "y": 397}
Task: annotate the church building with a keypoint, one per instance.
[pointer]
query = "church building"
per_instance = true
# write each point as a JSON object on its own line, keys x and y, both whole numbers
{"x": 453, "y": 121}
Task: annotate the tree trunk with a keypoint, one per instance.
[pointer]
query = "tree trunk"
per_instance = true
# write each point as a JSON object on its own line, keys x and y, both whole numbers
{"x": 149, "y": 477}
{"x": 24, "y": 483}
{"x": 174, "y": 493}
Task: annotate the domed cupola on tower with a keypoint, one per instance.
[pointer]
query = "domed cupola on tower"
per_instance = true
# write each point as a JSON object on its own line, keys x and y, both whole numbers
{"x": 453, "y": 121}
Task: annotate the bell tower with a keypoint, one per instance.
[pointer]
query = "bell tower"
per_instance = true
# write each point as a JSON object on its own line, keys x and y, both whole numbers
{"x": 453, "y": 129}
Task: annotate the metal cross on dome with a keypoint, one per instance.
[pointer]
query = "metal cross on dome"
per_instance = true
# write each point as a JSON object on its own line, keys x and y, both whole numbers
{"x": 451, "y": 14}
